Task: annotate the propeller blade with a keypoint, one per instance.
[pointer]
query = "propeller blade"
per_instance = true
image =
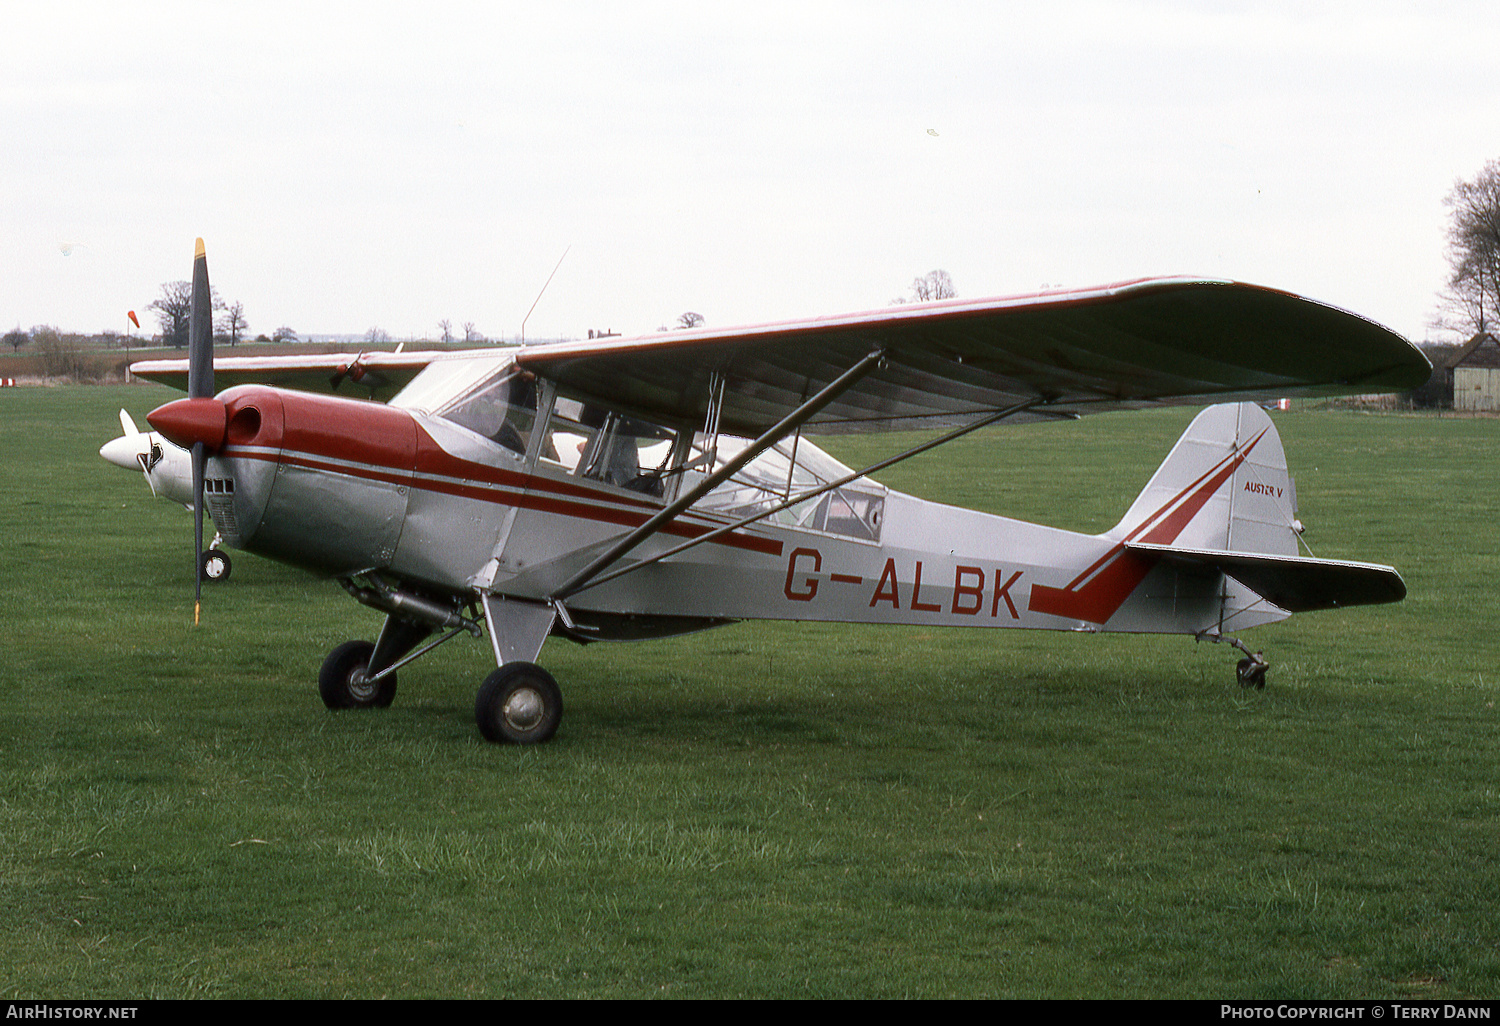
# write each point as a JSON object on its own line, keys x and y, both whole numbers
{"x": 126, "y": 424}
{"x": 198, "y": 458}
{"x": 201, "y": 331}
{"x": 200, "y": 386}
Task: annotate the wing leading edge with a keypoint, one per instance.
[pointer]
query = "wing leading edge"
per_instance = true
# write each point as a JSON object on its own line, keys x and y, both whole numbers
{"x": 1134, "y": 344}
{"x": 378, "y": 375}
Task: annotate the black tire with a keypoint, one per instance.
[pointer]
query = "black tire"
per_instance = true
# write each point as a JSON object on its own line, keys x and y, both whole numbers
{"x": 518, "y": 704}
{"x": 1250, "y": 673}
{"x": 342, "y": 684}
{"x": 215, "y": 565}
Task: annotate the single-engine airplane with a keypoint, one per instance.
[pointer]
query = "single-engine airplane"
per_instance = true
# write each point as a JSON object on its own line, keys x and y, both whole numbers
{"x": 168, "y": 469}
{"x": 629, "y": 488}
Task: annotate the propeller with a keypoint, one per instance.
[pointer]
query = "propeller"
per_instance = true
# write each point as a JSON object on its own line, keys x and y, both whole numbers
{"x": 200, "y": 386}
{"x": 355, "y": 372}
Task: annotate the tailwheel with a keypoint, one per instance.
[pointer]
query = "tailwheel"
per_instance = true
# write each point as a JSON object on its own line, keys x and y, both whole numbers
{"x": 344, "y": 682}
{"x": 518, "y": 704}
{"x": 1251, "y": 671}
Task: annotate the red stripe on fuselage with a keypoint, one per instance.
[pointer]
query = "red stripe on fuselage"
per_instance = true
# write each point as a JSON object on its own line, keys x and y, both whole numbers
{"x": 380, "y": 443}
{"x": 1099, "y": 591}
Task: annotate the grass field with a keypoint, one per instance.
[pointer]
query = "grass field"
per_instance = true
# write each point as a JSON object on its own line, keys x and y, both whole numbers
{"x": 774, "y": 810}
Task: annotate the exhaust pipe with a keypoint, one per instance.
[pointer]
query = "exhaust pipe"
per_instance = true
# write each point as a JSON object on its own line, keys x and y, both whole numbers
{"x": 407, "y": 606}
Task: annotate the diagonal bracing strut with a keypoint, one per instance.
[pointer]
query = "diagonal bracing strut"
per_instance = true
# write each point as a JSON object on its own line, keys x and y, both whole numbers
{"x": 811, "y": 493}
{"x": 784, "y": 427}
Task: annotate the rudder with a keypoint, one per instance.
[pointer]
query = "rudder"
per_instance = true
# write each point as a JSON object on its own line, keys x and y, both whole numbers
{"x": 1224, "y": 486}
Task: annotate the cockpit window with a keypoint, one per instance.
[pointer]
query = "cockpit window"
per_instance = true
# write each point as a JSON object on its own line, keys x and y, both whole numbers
{"x": 502, "y": 409}
{"x": 445, "y": 380}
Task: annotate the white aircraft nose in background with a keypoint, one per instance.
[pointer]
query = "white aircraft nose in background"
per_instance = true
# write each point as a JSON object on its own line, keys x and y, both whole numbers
{"x": 126, "y": 452}
{"x": 168, "y": 470}
{"x": 132, "y": 450}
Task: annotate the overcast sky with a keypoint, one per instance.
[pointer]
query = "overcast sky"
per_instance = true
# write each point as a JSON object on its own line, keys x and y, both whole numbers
{"x": 390, "y": 165}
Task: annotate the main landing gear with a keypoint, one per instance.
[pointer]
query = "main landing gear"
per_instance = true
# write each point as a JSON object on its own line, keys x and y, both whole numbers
{"x": 519, "y": 703}
{"x": 345, "y": 681}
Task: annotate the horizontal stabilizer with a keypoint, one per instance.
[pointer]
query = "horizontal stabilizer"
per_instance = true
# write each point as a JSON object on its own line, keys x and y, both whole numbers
{"x": 1295, "y": 583}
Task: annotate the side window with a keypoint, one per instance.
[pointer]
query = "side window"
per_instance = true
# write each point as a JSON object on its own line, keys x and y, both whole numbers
{"x": 852, "y": 510}
{"x": 570, "y": 434}
{"x": 631, "y": 454}
{"x": 599, "y": 444}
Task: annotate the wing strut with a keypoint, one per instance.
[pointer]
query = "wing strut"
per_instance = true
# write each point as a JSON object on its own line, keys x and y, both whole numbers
{"x": 837, "y": 387}
{"x": 813, "y": 493}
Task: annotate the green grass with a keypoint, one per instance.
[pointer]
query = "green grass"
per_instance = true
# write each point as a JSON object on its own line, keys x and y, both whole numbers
{"x": 771, "y": 810}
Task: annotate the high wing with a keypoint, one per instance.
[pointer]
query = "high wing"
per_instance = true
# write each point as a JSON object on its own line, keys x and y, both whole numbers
{"x": 1128, "y": 345}
{"x": 378, "y": 375}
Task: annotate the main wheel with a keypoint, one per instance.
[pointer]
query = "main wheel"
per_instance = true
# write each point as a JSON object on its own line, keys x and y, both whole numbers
{"x": 215, "y": 565}
{"x": 518, "y": 704}
{"x": 342, "y": 681}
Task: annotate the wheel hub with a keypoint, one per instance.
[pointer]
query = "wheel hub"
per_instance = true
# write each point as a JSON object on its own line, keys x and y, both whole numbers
{"x": 523, "y": 709}
{"x": 360, "y": 687}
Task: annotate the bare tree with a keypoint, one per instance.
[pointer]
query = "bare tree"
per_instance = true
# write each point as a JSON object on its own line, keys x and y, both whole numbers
{"x": 447, "y": 328}
{"x": 1473, "y": 293}
{"x": 16, "y": 339}
{"x": 471, "y": 334}
{"x": 377, "y": 337}
{"x": 690, "y": 320}
{"x": 931, "y": 286}
{"x": 174, "y": 310}
{"x": 233, "y": 324}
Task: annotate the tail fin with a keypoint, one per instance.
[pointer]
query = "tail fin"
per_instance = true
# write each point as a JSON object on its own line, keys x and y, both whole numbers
{"x": 1220, "y": 516}
{"x": 1223, "y": 500}
{"x": 1223, "y": 487}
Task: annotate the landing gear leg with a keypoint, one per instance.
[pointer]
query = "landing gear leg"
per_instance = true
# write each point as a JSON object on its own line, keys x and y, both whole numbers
{"x": 1249, "y": 671}
{"x": 519, "y": 703}
{"x": 351, "y": 676}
